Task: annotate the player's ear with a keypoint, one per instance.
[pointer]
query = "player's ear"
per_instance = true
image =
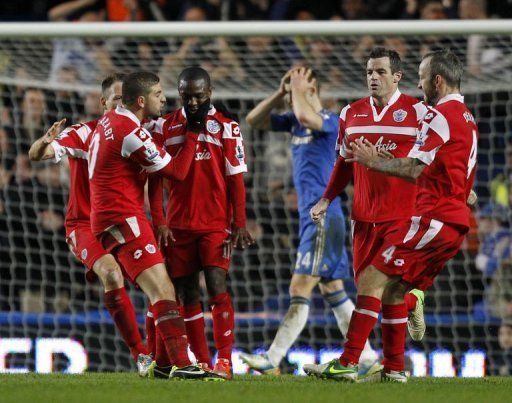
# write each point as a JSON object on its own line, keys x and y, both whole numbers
{"x": 103, "y": 102}
{"x": 397, "y": 76}
{"x": 141, "y": 101}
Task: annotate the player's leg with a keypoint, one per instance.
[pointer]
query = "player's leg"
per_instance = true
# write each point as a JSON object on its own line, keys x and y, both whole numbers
{"x": 305, "y": 277}
{"x": 223, "y": 317}
{"x": 99, "y": 263}
{"x": 119, "y": 305}
{"x": 189, "y": 293}
{"x": 393, "y": 325}
{"x": 293, "y": 323}
{"x": 342, "y": 306}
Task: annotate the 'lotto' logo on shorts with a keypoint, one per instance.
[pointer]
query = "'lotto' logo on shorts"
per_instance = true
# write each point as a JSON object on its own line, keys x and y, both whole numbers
{"x": 137, "y": 254}
{"x": 399, "y": 262}
{"x": 150, "y": 248}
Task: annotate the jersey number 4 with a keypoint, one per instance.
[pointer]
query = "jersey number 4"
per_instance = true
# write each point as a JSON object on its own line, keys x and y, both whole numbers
{"x": 472, "y": 154}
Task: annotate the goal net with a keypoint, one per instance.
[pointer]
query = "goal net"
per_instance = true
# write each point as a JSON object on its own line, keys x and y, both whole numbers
{"x": 51, "y": 319}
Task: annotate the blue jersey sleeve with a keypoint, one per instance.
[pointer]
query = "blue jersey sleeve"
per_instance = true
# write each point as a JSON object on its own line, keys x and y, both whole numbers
{"x": 330, "y": 121}
{"x": 281, "y": 122}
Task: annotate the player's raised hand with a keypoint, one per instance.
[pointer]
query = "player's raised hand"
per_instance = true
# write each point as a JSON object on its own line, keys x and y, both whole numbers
{"x": 284, "y": 86}
{"x": 164, "y": 236}
{"x": 363, "y": 152}
{"x": 300, "y": 80}
{"x": 318, "y": 211}
{"x": 196, "y": 116}
{"x": 241, "y": 238}
{"x": 53, "y": 131}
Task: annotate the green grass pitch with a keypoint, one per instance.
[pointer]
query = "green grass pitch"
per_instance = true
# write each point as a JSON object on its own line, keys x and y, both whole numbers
{"x": 128, "y": 387}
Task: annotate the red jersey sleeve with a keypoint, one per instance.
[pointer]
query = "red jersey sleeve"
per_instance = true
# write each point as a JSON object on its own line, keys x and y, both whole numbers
{"x": 72, "y": 141}
{"x": 139, "y": 147}
{"x": 233, "y": 149}
{"x": 434, "y": 132}
{"x": 341, "y": 143}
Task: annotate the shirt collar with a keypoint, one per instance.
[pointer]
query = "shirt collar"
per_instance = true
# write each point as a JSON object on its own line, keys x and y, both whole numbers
{"x": 129, "y": 114}
{"x": 377, "y": 117}
{"x": 451, "y": 97}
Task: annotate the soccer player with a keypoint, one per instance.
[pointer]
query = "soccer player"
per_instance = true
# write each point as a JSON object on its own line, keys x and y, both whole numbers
{"x": 388, "y": 119}
{"x": 121, "y": 154}
{"x": 442, "y": 163}
{"x": 74, "y": 142}
{"x": 321, "y": 256}
{"x": 206, "y": 214}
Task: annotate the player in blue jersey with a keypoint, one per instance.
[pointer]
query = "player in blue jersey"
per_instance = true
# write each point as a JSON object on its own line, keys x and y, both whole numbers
{"x": 321, "y": 255}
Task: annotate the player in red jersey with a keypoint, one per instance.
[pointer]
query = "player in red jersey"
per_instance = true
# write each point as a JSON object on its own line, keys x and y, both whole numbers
{"x": 74, "y": 142}
{"x": 206, "y": 214}
{"x": 442, "y": 163}
{"x": 121, "y": 155}
{"x": 389, "y": 120}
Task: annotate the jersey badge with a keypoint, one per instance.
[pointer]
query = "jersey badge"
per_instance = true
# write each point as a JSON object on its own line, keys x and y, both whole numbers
{"x": 150, "y": 248}
{"x": 399, "y": 115}
{"x": 239, "y": 153}
{"x": 213, "y": 126}
{"x": 235, "y": 129}
{"x": 84, "y": 254}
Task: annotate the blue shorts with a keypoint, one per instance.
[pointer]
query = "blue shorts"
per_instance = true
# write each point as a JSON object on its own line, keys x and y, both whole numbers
{"x": 321, "y": 251}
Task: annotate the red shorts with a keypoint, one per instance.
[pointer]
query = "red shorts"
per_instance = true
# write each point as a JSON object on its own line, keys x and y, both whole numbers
{"x": 194, "y": 250}
{"x": 85, "y": 247}
{"x": 418, "y": 250}
{"x": 134, "y": 246}
{"x": 367, "y": 240}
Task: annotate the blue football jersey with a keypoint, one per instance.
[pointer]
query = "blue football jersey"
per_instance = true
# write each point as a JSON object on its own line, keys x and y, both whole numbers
{"x": 313, "y": 157}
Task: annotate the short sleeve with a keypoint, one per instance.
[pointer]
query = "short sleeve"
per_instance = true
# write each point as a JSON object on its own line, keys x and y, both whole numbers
{"x": 341, "y": 144}
{"x": 281, "y": 122}
{"x": 233, "y": 146}
{"x": 139, "y": 147}
{"x": 434, "y": 132}
{"x": 72, "y": 141}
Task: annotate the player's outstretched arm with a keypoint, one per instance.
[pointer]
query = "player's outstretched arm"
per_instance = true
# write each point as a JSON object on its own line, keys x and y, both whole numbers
{"x": 41, "y": 149}
{"x": 179, "y": 166}
{"x": 259, "y": 116}
{"x": 367, "y": 154}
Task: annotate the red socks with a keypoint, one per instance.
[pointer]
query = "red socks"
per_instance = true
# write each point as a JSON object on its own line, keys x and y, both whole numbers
{"x": 194, "y": 323}
{"x": 171, "y": 329}
{"x": 150, "y": 332}
{"x": 410, "y": 301}
{"x": 363, "y": 320}
{"x": 394, "y": 322}
{"x": 121, "y": 309}
{"x": 223, "y": 317}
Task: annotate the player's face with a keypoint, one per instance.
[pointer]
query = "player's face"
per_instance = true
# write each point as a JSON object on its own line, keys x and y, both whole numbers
{"x": 381, "y": 81}
{"x": 194, "y": 93}
{"x": 114, "y": 97}
{"x": 426, "y": 83}
{"x": 154, "y": 102}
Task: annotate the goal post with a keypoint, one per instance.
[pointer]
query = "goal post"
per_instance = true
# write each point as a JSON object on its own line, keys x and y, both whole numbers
{"x": 52, "y": 70}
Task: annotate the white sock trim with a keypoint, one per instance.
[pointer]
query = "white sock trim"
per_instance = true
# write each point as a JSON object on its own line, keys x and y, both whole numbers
{"x": 195, "y": 317}
{"x": 367, "y": 312}
{"x": 393, "y": 321}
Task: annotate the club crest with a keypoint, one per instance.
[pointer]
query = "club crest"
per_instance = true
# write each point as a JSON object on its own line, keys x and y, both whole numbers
{"x": 213, "y": 126}
{"x": 399, "y": 115}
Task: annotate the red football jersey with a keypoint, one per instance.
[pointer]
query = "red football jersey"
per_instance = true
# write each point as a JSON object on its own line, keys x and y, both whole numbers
{"x": 447, "y": 143}
{"x": 121, "y": 154}
{"x": 74, "y": 142}
{"x": 379, "y": 197}
{"x": 200, "y": 201}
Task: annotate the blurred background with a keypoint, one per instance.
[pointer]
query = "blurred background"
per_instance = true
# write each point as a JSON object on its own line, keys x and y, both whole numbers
{"x": 43, "y": 293}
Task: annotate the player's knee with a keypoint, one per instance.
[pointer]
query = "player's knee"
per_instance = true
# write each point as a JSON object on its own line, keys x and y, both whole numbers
{"x": 302, "y": 285}
{"x": 109, "y": 273}
{"x": 331, "y": 286}
{"x": 394, "y": 294}
{"x": 215, "y": 279}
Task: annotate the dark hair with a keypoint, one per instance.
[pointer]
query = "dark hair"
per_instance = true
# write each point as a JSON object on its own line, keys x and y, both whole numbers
{"x": 394, "y": 58}
{"x": 445, "y": 63}
{"x": 195, "y": 73}
{"x": 138, "y": 84}
{"x": 109, "y": 81}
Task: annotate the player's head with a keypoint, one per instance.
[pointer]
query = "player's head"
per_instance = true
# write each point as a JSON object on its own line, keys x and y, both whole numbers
{"x": 195, "y": 88}
{"x": 440, "y": 73}
{"x": 142, "y": 92}
{"x": 383, "y": 72}
{"x": 111, "y": 91}
{"x": 505, "y": 332}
